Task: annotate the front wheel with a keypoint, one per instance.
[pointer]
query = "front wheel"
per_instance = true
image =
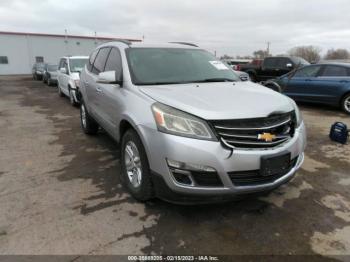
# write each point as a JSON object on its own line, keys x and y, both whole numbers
{"x": 136, "y": 174}
{"x": 71, "y": 98}
{"x": 88, "y": 124}
{"x": 345, "y": 104}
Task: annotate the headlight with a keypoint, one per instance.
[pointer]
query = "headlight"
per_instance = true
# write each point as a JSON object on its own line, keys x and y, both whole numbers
{"x": 77, "y": 83}
{"x": 298, "y": 114}
{"x": 172, "y": 121}
{"x": 38, "y": 72}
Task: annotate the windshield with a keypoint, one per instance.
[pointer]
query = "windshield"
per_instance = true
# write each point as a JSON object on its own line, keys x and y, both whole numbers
{"x": 157, "y": 66}
{"x": 52, "y": 68}
{"x": 300, "y": 61}
{"x": 77, "y": 64}
{"x": 40, "y": 66}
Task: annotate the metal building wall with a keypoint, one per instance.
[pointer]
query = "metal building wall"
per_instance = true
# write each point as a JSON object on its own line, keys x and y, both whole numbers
{"x": 21, "y": 50}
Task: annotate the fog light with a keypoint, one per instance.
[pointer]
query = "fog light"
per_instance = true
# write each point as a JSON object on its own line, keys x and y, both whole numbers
{"x": 182, "y": 176}
{"x": 189, "y": 166}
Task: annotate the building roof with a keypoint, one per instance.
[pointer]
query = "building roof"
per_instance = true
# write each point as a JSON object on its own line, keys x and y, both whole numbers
{"x": 69, "y": 36}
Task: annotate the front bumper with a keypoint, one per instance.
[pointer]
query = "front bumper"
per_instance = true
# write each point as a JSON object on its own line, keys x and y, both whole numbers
{"x": 160, "y": 146}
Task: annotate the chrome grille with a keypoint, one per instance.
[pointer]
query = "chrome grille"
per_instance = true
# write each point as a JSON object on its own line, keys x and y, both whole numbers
{"x": 249, "y": 133}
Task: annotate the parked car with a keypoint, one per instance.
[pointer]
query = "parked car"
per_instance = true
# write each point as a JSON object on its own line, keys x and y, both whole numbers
{"x": 68, "y": 77}
{"x": 188, "y": 128}
{"x": 235, "y": 63}
{"x": 272, "y": 67}
{"x": 38, "y": 71}
{"x": 50, "y": 74}
{"x": 320, "y": 83}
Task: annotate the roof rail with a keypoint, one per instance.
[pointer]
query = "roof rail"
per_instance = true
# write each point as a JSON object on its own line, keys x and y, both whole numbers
{"x": 124, "y": 41}
{"x": 184, "y": 43}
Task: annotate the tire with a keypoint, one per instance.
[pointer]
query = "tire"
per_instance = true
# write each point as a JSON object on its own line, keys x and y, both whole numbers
{"x": 72, "y": 99}
{"x": 60, "y": 93}
{"x": 252, "y": 77}
{"x": 137, "y": 177}
{"x": 44, "y": 80}
{"x": 88, "y": 124}
{"x": 274, "y": 87}
{"x": 345, "y": 104}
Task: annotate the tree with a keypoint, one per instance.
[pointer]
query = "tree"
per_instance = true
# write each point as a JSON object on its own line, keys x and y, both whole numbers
{"x": 226, "y": 57}
{"x": 337, "y": 54}
{"x": 309, "y": 53}
{"x": 260, "y": 54}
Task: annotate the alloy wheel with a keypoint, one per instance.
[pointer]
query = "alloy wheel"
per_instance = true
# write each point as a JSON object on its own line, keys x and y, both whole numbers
{"x": 133, "y": 164}
{"x": 83, "y": 116}
{"x": 347, "y": 104}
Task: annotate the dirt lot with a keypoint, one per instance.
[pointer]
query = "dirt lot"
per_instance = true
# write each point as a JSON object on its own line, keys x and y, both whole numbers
{"x": 60, "y": 193}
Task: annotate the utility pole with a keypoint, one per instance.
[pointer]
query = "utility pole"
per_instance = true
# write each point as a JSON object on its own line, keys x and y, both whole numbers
{"x": 66, "y": 40}
{"x": 268, "y": 49}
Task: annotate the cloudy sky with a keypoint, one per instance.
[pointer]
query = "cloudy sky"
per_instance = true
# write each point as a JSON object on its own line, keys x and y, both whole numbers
{"x": 227, "y": 26}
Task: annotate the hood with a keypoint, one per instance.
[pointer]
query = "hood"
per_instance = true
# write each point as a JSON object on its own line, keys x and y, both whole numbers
{"x": 214, "y": 101}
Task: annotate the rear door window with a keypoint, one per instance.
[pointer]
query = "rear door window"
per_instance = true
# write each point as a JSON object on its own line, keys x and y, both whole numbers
{"x": 335, "y": 71}
{"x": 100, "y": 61}
{"x": 270, "y": 62}
{"x": 281, "y": 63}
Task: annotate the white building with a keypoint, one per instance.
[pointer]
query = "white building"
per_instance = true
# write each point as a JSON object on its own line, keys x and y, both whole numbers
{"x": 19, "y": 51}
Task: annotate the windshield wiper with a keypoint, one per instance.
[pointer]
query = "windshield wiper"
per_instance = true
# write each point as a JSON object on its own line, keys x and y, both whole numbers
{"x": 158, "y": 83}
{"x": 209, "y": 80}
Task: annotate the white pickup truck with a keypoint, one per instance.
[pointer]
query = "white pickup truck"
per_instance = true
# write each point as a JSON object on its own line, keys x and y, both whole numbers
{"x": 68, "y": 77}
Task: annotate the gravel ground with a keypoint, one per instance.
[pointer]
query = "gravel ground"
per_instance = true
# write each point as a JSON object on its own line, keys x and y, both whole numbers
{"x": 60, "y": 193}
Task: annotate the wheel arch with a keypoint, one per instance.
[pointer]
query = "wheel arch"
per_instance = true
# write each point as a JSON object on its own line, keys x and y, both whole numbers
{"x": 343, "y": 96}
{"x": 273, "y": 85}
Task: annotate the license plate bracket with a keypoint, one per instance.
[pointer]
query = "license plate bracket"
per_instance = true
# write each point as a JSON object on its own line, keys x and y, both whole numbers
{"x": 273, "y": 165}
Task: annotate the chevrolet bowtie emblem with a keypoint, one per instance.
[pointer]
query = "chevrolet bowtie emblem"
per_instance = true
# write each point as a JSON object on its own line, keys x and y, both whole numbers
{"x": 267, "y": 137}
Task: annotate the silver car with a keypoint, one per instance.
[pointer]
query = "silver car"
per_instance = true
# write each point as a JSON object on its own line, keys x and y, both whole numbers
{"x": 189, "y": 129}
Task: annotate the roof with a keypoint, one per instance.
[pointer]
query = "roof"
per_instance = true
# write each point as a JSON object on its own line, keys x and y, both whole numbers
{"x": 68, "y": 36}
{"x": 335, "y": 63}
{"x": 151, "y": 45}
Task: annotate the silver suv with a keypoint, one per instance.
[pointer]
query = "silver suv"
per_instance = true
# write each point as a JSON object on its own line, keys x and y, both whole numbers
{"x": 189, "y": 129}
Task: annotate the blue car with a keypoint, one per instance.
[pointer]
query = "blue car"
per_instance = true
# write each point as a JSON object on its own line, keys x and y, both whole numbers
{"x": 320, "y": 83}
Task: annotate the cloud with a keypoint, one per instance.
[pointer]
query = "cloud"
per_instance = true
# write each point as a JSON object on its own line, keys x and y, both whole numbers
{"x": 228, "y": 26}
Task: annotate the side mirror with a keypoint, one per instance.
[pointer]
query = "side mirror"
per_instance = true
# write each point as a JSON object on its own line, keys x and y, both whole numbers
{"x": 289, "y": 65}
{"x": 109, "y": 77}
{"x": 63, "y": 70}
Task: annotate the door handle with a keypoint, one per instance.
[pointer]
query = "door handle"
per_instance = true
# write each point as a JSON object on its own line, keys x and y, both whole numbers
{"x": 99, "y": 90}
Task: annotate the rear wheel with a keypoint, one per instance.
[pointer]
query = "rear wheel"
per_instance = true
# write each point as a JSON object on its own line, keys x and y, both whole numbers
{"x": 88, "y": 124}
{"x": 136, "y": 174}
{"x": 345, "y": 104}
